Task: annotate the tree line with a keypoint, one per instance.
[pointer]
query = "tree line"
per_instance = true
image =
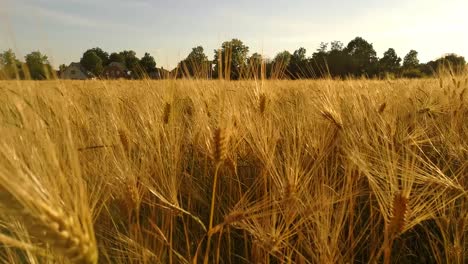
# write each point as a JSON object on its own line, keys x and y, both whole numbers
{"x": 36, "y": 66}
{"x": 232, "y": 61}
{"x": 95, "y": 60}
{"x": 358, "y": 58}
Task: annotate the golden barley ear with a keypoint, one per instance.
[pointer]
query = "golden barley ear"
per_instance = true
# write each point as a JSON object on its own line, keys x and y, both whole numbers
{"x": 333, "y": 118}
{"x": 462, "y": 94}
{"x": 399, "y": 214}
{"x": 233, "y": 217}
{"x": 289, "y": 191}
{"x": 63, "y": 233}
{"x": 65, "y": 236}
{"x": 382, "y": 107}
{"x": 166, "y": 113}
{"x": 124, "y": 140}
{"x": 219, "y": 145}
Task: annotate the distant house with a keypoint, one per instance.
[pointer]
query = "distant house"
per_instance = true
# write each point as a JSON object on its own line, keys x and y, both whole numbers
{"x": 115, "y": 70}
{"x": 159, "y": 73}
{"x": 163, "y": 73}
{"x": 154, "y": 75}
{"x": 75, "y": 72}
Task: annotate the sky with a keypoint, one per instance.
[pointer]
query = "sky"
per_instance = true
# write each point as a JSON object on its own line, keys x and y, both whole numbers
{"x": 168, "y": 30}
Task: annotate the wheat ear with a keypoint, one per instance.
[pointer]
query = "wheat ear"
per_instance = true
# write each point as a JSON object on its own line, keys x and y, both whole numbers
{"x": 62, "y": 232}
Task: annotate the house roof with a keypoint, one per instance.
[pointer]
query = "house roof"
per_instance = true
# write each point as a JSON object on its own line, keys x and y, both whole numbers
{"x": 81, "y": 68}
{"x": 119, "y": 65}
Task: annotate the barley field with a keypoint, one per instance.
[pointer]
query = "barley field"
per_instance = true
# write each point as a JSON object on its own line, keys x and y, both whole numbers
{"x": 198, "y": 171}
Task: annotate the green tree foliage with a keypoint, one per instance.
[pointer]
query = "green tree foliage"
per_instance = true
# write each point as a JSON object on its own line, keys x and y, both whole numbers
{"x": 333, "y": 62}
{"x": 197, "y": 55}
{"x": 453, "y": 61}
{"x": 298, "y": 65}
{"x": 411, "y": 67}
{"x": 318, "y": 61}
{"x": 92, "y": 62}
{"x": 10, "y": 66}
{"x": 283, "y": 58}
{"x": 231, "y": 59}
{"x": 338, "y": 61}
{"x": 363, "y": 58}
{"x": 148, "y": 64}
{"x": 38, "y": 65}
{"x": 389, "y": 63}
{"x": 280, "y": 65}
{"x": 62, "y": 67}
{"x": 255, "y": 62}
{"x": 411, "y": 60}
{"x": 117, "y": 57}
{"x": 196, "y": 64}
{"x": 104, "y": 56}
{"x": 131, "y": 62}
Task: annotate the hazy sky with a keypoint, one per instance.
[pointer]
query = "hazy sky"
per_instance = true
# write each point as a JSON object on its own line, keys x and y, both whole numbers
{"x": 64, "y": 29}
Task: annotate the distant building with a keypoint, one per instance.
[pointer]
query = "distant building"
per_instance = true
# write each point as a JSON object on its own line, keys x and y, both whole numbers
{"x": 154, "y": 75}
{"x": 76, "y": 72}
{"x": 115, "y": 70}
{"x": 159, "y": 73}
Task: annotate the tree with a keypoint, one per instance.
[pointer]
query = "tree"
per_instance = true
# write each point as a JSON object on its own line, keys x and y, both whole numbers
{"x": 390, "y": 62}
{"x": 117, "y": 57}
{"x": 197, "y": 55}
{"x": 363, "y": 58}
{"x": 62, "y": 67}
{"x": 283, "y": 57}
{"x": 196, "y": 64}
{"x": 333, "y": 62}
{"x": 131, "y": 61}
{"x": 231, "y": 59}
{"x": 336, "y": 46}
{"x": 92, "y": 62}
{"x": 280, "y": 64}
{"x": 411, "y": 60}
{"x": 298, "y": 66}
{"x": 340, "y": 63}
{"x": 38, "y": 65}
{"x": 148, "y": 64}
{"x": 10, "y": 67}
{"x": 453, "y": 61}
{"x": 411, "y": 67}
{"x": 318, "y": 61}
{"x": 255, "y": 62}
{"x": 104, "y": 56}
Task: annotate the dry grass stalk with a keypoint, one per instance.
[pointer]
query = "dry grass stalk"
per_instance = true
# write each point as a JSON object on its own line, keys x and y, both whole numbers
{"x": 166, "y": 113}
{"x": 262, "y": 103}
{"x": 462, "y": 94}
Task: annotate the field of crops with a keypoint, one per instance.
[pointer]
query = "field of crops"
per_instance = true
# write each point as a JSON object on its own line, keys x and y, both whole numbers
{"x": 189, "y": 171}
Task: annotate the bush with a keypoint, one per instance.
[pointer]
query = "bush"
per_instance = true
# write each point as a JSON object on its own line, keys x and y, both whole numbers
{"x": 412, "y": 73}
